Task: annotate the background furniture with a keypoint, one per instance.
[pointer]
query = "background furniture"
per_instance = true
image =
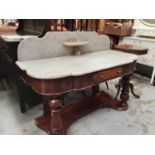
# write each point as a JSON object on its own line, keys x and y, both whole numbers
{"x": 12, "y": 36}
{"x": 117, "y": 28}
{"x": 145, "y": 63}
{"x": 129, "y": 48}
{"x": 143, "y": 32}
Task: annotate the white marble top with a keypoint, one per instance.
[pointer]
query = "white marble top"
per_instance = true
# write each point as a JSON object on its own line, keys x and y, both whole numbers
{"x": 59, "y": 67}
{"x": 15, "y": 37}
{"x": 75, "y": 43}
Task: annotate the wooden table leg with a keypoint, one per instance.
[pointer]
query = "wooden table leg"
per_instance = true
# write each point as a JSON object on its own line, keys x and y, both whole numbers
{"x": 119, "y": 85}
{"x": 46, "y": 109}
{"x": 132, "y": 90}
{"x": 56, "y": 125}
{"x": 96, "y": 89}
{"x": 125, "y": 92}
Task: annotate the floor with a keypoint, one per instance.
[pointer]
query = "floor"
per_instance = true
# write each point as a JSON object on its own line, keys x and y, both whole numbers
{"x": 139, "y": 119}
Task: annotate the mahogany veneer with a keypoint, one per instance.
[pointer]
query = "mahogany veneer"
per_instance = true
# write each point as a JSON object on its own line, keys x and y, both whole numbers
{"x": 128, "y": 48}
{"x": 76, "y": 110}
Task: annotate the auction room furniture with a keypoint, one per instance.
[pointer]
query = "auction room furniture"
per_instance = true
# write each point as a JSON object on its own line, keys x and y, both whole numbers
{"x": 12, "y": 36}
{"x": 143, "y": 35}
{"x": 52, "y": 71}
{"x": 116, "y": 29}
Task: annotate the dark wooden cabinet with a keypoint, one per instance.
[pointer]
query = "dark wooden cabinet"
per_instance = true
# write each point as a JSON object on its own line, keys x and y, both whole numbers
{"x": 116, "y": 28}
{"x": 8, "y": 57}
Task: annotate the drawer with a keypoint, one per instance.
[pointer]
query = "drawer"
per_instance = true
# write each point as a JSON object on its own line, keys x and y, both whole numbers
{"x": 108, "y": 74}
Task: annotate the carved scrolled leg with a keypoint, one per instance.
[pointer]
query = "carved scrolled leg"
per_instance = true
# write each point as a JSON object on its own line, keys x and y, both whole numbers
{"x": 125, "y": 92}
{"x": 107, "y": 85}
{"x": 56, "y": 119}
{"x": 132, "y": 91}
{"x": 118, "y": 86}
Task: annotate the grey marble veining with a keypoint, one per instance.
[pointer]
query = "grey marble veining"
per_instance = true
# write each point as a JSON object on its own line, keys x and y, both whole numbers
{"x": 51, "y": 45}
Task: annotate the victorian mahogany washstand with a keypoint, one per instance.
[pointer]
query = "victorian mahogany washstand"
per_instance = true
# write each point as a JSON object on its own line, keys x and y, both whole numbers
{"x": 51, "y": 72}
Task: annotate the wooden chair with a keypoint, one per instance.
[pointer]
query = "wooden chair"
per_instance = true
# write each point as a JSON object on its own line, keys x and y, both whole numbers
{"x": 153, "y": 75}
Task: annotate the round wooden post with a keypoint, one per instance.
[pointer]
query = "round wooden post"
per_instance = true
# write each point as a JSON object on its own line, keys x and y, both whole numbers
{"x": 56, "y": 119}
{"x": 46, "y": 109}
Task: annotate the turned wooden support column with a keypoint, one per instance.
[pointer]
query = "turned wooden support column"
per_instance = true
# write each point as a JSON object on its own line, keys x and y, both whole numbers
{"x": 56, "y": 119}
{"x": 46, "y": 109}
{"x": 125, "y": 91}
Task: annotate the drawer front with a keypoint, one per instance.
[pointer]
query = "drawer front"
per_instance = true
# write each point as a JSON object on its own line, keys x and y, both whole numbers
{"x": 108, "y": 74}
{"x": 89, "y": 80}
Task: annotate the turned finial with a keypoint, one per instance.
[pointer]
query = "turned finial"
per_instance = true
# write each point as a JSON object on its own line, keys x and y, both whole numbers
{"x": 55, "y": 104}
